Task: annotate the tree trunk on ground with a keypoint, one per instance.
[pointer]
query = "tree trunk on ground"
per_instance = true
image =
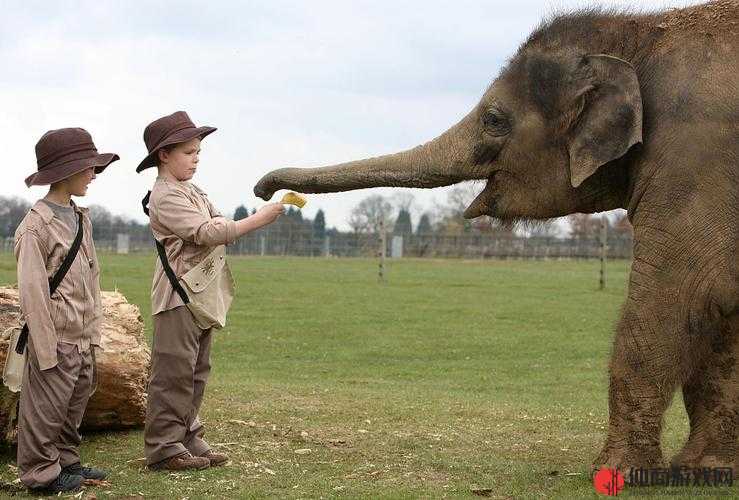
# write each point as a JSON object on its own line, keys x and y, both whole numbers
{"x": 122, "y": 368}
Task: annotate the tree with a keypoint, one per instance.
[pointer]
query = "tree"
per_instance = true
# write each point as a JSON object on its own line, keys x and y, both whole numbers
{"x": 622, "y": 226}
{"x": 370, "y": 214}
{"x": 424, "y": 225}
{"x": 403, "y": 200}
{"x": 241, "y": 212}
{"x": 403, "y": 224}
{"x": 102, "y": 221}
{"x": 544, "y": 229}
{"x": 12, "y": 211}
{"x": 585, "y": 226}
{"x": 451, "y": 215}
{"x": 319, "y": 225}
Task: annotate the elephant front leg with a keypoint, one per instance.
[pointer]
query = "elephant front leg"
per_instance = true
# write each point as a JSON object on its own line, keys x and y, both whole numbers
{"x": 711, "y": 398}
{"x": 643, "y": 377}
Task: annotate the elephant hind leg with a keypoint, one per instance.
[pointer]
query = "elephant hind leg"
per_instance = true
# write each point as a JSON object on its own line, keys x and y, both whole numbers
{"x": 711, "y": 398}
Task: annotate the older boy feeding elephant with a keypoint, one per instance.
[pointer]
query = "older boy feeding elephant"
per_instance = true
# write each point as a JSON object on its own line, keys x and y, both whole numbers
{"x": 191, "y": 292}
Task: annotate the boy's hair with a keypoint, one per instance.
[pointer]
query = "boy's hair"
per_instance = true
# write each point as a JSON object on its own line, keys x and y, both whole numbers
{"x": 166, "y": 149}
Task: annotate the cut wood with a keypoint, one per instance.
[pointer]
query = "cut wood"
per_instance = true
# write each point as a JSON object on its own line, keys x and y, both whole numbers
{"x": 122, "y": 367}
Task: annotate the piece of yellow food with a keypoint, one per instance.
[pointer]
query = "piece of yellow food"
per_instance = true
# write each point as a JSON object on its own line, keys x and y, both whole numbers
{"x": 294, "y": 199}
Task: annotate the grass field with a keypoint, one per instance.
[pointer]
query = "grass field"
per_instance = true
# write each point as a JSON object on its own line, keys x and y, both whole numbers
{"x": 451, "y": 376}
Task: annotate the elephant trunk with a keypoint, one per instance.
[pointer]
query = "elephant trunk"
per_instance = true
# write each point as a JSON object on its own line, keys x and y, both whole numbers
{"x": 446, "y": 160}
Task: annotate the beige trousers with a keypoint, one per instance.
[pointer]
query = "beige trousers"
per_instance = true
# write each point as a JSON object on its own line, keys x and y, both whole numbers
{"x": 50, "y": 411}
{"x": 180, "y": 364}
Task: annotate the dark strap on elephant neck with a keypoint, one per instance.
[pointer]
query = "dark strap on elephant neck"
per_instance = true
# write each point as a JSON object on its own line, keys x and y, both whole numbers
{"x": 55, "y": 280}
{"x": 163, "y": 258}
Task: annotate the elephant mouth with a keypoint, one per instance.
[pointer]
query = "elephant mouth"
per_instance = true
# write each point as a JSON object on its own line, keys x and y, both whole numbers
{"x": 484, "y": 203}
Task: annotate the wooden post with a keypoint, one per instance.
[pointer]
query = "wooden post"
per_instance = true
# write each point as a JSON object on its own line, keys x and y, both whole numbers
{"x": 383, "y": 250}
{"x": 603, "y": 250}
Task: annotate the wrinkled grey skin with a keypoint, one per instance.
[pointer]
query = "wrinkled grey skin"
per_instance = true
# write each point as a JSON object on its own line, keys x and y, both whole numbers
{"x": 597, "y": 111}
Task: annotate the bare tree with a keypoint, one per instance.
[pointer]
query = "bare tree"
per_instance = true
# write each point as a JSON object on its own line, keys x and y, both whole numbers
{"x": 102, "y": 222}
{"x": 451, "y": 216}
{"x": 12, "y": 211}
{"x": 404, "y": 200}
{"x": 585, "y": 226}
{"x": 622, "y": 226}
{"x": 460, "y": 197}
{"x": 544, "y": 229}
{"x": 371, "y": 212}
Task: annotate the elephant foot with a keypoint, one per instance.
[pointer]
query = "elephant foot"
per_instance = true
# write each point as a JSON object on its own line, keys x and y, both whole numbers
{"x": 628, "y": 459}
{"x": 699, "y": 455}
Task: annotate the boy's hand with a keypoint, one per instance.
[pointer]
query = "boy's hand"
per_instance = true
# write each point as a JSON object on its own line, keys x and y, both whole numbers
{"x": 271, "y": 212}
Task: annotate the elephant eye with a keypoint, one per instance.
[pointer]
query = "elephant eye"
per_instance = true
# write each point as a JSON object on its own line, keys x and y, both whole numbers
{"x": 495, "y": 122}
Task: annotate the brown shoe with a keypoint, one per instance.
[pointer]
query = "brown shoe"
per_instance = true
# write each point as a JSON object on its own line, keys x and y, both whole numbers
{"x": 215, "y": 458}
{"x": 184, "y": 461}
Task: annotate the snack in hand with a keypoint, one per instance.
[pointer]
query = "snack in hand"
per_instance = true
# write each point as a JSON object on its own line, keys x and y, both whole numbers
{"x": 294, "y": 199}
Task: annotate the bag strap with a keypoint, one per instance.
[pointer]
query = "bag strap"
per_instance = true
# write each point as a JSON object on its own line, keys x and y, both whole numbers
{"x": 69, "y": 259}
{"x": 145, "y": 203}
{"x": 163, "y": 258}
{"x": 55, "y": 280}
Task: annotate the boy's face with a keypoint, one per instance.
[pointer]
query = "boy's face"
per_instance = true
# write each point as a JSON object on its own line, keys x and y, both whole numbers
{"x": 77, "y": 184}
{"x": 182, "y": 160}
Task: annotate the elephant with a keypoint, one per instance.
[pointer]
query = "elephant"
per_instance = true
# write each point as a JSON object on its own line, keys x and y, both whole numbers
{"x": 599, "y": 110}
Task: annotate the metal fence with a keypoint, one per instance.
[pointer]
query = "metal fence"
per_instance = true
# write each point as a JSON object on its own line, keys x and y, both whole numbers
{"x": 462, "y": 246}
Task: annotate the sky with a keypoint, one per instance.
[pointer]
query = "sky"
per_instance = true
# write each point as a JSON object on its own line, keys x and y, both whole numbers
{"x": 287, "y": 83}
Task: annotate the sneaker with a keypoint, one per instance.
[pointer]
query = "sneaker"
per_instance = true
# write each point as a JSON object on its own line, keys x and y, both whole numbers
{"x": 185, "y": 461}
{"x": 215, "y": 459}
{"x": 63, "y": 483}
{"x": 85, "y": 472}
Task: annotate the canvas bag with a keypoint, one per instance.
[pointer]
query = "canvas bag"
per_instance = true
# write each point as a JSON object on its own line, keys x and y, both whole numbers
{"x": 210, "y": 288}
{"x": 15, "y": 360}
{"x": 207, "y": 289}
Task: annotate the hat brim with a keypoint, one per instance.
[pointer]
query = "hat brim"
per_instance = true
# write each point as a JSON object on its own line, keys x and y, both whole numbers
{"x": 50, "y": 175}
{"x": 176, "y": 138}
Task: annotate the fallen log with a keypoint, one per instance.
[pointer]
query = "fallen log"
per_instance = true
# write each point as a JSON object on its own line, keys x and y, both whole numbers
{"x": 122, "y": 367}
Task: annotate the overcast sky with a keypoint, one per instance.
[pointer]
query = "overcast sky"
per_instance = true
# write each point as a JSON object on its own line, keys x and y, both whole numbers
{"x": 287, "y": 83}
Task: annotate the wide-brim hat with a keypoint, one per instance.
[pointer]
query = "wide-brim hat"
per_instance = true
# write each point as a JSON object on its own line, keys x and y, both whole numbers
{"x": 168, "y": 130}
{"x": 64, "y": 152}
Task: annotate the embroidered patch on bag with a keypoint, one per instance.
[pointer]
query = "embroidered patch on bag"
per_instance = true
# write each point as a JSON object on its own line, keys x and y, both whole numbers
{"x": 209, "y": 267}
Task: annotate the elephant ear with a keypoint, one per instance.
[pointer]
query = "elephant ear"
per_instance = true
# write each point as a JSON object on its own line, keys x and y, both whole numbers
{"x": 611, "y": 119}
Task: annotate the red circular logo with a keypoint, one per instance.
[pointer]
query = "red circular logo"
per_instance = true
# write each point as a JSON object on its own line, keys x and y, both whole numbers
{"x": 608, "y": 482}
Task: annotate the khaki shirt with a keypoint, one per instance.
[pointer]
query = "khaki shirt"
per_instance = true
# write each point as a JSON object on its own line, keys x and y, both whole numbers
{"x": 74, "y": 314}
{"x": 188, "y": 225}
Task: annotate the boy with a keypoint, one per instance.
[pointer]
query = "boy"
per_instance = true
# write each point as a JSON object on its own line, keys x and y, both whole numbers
{"x": 64, "y": 327}
{"x": 189, "y": 227}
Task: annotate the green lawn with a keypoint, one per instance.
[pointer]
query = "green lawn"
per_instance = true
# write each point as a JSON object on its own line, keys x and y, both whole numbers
{"x": 452, "y": 375}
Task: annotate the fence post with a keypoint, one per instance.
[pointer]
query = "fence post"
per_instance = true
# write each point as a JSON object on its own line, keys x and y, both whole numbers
{"x": 383, "y": 249}
{"x": 603, "y": 250}
{"x": 262, "y": 245}
{"x": 122, "y": 242}
{"x": 396, "y": 248}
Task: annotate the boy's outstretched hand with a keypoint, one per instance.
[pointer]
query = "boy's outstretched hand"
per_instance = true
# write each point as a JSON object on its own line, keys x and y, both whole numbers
{"x": 270, "y": 212}
{"x": 264, "y": 216}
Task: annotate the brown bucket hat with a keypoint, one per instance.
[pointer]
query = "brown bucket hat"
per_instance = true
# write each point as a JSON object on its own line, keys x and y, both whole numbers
{"x": 168, "y": 130}
{"x": 63, "y": 152}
